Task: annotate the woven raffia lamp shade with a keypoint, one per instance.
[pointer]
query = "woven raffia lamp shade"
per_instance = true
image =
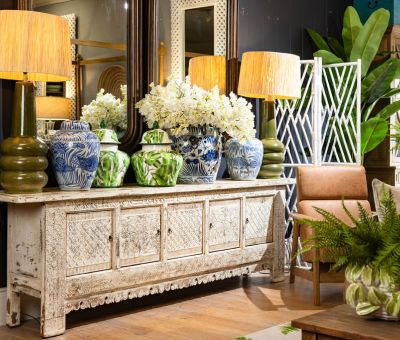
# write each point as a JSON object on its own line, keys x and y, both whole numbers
{"x": 270, "y": 76}
{"x": 34, "y": 43}
{"x": 53, "y": 108}
{"x": 34, "y": 47}
{"x": 208, "y": 72}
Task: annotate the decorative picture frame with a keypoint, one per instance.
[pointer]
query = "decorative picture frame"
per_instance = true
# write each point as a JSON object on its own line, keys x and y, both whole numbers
{"x": 178, "y": 8}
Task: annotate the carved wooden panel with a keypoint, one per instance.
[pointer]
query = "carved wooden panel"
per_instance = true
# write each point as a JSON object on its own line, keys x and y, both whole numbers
{"x": 258, "y": 220}
{"x": 140, "y": 235}
{"x": 184, "y": 229}
{"x": 89, "y": 237}
{"x": 224, "y": 224}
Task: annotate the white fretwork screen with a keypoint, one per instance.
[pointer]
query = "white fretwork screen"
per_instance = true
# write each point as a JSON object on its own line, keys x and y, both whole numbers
{"x": 323, "y": 126}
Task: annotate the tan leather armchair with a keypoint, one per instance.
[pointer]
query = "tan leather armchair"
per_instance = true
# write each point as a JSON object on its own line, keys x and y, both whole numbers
{"x": 325, "y": 187}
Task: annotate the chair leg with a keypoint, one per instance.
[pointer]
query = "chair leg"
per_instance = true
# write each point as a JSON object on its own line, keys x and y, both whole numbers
{"x": 295, "y": 246}
{"x": 316, "y": 278}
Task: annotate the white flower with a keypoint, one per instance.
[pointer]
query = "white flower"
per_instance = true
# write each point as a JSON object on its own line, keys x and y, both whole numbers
{"x": 107, "y": 111}
{"x": 180, "y": 105}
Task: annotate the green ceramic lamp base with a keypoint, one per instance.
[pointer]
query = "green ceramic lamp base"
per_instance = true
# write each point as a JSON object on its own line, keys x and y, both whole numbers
{"x": 272, "y": 166}
{"x": 23, "y": 159}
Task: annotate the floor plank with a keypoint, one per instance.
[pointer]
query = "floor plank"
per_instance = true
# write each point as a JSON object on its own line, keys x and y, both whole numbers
{"x": 220, "y": 310}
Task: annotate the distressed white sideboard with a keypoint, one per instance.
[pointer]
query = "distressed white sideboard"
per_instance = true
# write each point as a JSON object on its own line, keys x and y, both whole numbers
{"x": 76, "y": 250}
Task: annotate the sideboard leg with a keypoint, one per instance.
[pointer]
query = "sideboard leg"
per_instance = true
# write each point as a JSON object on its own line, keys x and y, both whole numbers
{"x": 13, "y": 308}
{"x": 52, "y": 327}
{"x": 277, "y": 272}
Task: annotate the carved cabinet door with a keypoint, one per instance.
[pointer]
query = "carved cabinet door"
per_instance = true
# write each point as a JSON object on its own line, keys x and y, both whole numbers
{"x": 258, "y": 225}
{"x": 89, "y": 241}
{"x": 184, "y": 229}
{"x": 140, "y": 235}
{"x": 224, "y": 224}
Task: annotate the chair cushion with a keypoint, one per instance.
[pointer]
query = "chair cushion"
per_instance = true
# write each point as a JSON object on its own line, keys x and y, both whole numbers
{"x": 377, "y": 187}
{"x": 331, "y": 182}
{"x": 333, "y": 206}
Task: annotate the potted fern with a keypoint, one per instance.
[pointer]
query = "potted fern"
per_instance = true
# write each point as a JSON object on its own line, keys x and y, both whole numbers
{"x": 370, "y": 252}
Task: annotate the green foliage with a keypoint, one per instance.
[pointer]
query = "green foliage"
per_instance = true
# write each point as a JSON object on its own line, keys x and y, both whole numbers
{"x": 372, "y": 130}
{"x": 288, "y": 328}
{"x": 362, "y": 42}
{"x": 369, "y": 38}
{"x": 367, "y": 243}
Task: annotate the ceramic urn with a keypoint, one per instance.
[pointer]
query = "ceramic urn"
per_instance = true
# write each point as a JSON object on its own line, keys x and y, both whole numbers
{"x": 113, "y": 163}
{"x": 156, "y": 164}
{"x": 75, "y": 155}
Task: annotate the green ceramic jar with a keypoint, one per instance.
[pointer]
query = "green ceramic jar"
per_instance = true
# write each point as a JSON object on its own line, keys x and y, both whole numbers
{"x": 113, "y": 163}
{"x": 156, "y": 165}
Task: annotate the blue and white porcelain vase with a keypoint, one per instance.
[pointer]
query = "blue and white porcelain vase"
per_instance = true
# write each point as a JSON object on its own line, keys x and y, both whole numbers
{"x": 201, "y": 150}
{"x": 75, "y": 155}
{"x": 244, "y": 159}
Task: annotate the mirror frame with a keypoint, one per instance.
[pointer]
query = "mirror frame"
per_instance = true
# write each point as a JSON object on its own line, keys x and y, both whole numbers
{"x": 232, "y": 74}
{"x": 136, "y": 69}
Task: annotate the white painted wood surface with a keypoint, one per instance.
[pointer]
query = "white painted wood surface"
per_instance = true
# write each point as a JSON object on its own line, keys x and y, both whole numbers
{"x": 76, "y": 250}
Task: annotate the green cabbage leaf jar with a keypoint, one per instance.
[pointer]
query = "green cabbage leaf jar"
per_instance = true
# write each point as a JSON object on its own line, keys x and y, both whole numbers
{"x": 156, "y": 165}
{"x": 113, "y": 163}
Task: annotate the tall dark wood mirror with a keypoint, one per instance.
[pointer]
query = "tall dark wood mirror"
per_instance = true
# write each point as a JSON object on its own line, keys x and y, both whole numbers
{"x": 106, "y": 48}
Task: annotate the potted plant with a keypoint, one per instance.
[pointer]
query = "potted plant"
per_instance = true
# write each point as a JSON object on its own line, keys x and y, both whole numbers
{"x": 196, "y": 119}
{"x": 370, "y": 252}
{"x": 362, "y": 42}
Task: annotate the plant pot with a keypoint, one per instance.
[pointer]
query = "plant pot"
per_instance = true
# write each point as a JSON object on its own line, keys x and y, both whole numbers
{"x": 75, "y": 155}
{"x": 372, "y": 293}
{"x": 201, "y": 150}
{"x": 113, "y": 163}
{"x": 244, "y": 159}
{"x": 156, "y": 165}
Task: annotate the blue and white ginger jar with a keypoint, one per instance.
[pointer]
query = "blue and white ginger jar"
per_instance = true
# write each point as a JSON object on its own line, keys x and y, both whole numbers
{"x": 75, "y": 155}
{"x": 201, "y": 149}
{"x": 244, "y": 159}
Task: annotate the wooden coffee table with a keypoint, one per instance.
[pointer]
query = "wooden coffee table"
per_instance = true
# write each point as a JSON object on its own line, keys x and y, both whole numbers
{"x": 342, "y": 322}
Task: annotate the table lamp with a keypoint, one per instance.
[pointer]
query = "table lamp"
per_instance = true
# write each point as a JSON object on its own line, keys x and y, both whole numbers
{"x": 49, "y": 109}
{"x": 208, "y": 71}
{"x": 270, "y": 76}
{"x": 34, "y": 47}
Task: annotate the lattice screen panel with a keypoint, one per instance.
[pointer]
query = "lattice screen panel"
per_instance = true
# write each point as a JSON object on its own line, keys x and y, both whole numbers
{"x": 323, "y": 126}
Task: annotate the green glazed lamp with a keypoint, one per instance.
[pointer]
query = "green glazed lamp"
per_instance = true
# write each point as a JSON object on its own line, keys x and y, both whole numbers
{"x": 270, "y": 76}
{"x": 34, "y": 47}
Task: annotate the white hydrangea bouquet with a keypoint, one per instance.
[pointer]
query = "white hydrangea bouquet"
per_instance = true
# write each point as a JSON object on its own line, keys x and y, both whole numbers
{"x": 107, "y": 111}
{"x": 181, "y": 105}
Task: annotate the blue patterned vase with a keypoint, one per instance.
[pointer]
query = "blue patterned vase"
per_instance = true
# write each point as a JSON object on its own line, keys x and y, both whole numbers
{"x": 244, "y": 159}
{"x": 75, "y": 155}
{"x": 201, "y": 150}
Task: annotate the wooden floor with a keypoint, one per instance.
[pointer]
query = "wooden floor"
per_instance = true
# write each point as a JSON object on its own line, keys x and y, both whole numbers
{"x": 221, "y": 310}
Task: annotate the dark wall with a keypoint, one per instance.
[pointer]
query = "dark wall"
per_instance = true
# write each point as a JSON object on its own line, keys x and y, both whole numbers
{"x": 279, "y": 25}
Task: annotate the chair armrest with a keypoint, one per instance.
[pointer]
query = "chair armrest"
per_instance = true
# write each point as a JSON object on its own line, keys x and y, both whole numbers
{"x": 299, "y": 217}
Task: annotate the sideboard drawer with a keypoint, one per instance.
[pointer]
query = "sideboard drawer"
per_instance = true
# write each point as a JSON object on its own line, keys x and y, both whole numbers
{"x": 184, "y": 229}
{"x": 140, "y": 235}
{"x": 224, "y": 224}
{"x": 89, "y": 241}
{"x": 258, "y": 220}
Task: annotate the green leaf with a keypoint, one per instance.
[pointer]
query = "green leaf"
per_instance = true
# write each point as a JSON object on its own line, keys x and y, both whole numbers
{"x": 388, "y": 94}
{"x": 351, "y": 27}
{"x": 378, "y": 81}
{"x": 327, "y": 57}
{"x": 336, "y": 47}
{"x": 388, "y": 110}
{"x": 373, "y": 132}
{"x": 369, "y": 38}
{"x": 318, "y": 40}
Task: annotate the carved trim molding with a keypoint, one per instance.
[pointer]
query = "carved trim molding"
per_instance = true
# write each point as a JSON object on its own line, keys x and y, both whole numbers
{"x": 139, "y": 292}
